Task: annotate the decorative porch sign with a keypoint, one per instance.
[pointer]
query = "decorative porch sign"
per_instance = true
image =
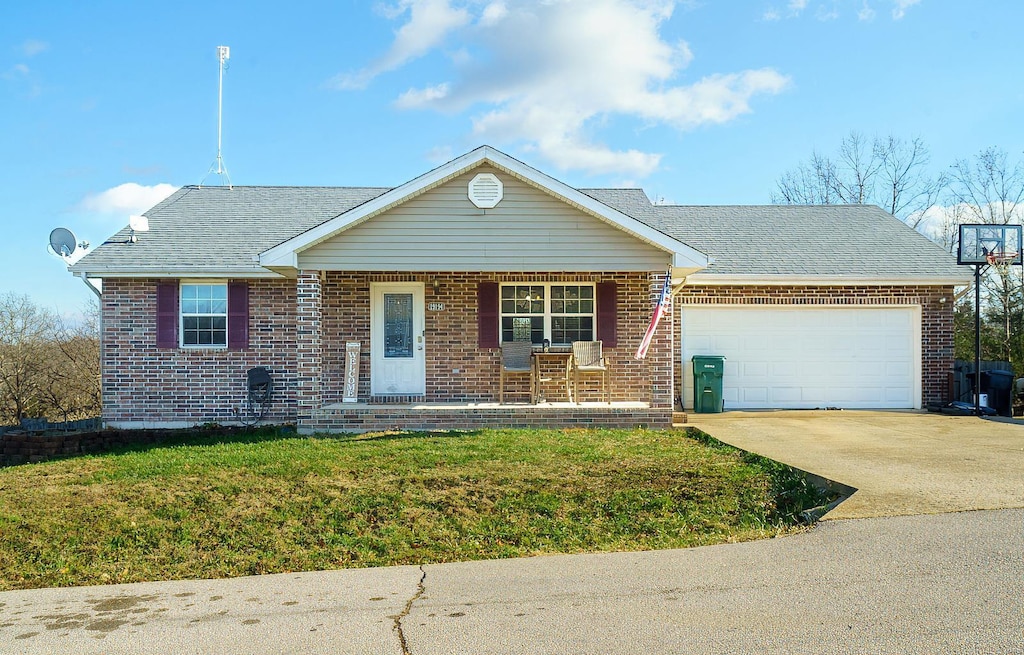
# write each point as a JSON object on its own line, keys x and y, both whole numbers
{"x": 351, "y": 391}
{"x": 659, "y": 310}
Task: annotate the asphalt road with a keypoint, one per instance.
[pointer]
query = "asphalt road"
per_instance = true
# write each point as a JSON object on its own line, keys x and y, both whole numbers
{"x": 943, "y": 583}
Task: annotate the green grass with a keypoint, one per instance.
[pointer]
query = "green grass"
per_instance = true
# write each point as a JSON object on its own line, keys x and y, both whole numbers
{"x": 261, "y": 502}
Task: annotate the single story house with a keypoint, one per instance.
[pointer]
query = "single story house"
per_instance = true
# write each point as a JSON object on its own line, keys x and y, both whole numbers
{"x": 398, "y": 299}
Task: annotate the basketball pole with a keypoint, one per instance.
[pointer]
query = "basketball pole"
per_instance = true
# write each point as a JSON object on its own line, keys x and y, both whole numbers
{"x": 977, "y": 340}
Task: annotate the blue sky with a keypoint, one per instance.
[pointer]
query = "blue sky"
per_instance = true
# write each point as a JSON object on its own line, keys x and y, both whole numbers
{"x": 106, "y": 107}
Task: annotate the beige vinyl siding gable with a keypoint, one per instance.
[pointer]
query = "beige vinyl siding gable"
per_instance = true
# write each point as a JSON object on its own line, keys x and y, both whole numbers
{"x": 442, "y": 230}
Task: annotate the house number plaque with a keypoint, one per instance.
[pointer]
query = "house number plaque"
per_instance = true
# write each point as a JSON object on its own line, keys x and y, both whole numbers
{"x": 436, "y": 306}
{"x": 351, "y": 391}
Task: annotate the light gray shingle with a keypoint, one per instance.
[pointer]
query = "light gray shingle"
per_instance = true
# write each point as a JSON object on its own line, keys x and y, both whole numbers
{"x": 209, "y": 228}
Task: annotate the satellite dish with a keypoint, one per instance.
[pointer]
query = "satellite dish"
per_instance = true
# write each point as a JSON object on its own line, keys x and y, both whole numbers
{"x": 138, "y": 223}
{"x": 63, "y": 241}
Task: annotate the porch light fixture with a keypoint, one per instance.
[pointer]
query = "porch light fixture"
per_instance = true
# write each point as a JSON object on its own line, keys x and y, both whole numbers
{"x": 435, "y": 284}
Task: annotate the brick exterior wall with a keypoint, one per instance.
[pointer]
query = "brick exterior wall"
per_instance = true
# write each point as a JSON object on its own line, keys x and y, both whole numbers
{"x": 457, "y": 370}
{"x": 936, "y": 317}
{"x": 298, "y": 330}
{"x": 143, "y": 384}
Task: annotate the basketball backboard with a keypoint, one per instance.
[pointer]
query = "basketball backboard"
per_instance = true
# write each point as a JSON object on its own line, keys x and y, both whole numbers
{"x": 980, "y": 242}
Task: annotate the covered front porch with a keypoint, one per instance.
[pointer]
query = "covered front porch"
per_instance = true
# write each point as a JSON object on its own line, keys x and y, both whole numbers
{"x": 379, "y": 417}
{"x": 440, "y": 367}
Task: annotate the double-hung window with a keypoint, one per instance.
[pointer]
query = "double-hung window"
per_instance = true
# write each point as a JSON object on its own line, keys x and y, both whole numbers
{"x": 204, "y": 315}
{"x": 560, "y": 313}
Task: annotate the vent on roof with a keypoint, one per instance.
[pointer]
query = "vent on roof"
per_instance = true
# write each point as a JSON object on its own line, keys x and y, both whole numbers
{"x": 485, "y": 190}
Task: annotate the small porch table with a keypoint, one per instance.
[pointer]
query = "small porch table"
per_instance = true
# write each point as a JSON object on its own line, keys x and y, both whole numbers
{"x": 544, "y": 363}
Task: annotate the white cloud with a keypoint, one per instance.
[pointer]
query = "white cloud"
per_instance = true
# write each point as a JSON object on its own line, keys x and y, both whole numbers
{"x": 430, "y": 21}
{"x": 900, "y": 10}
{"x": 419, "y": 97}
{"x": 128, "y": 198}
{"x": 32, "y": 47}
{"x": 586, "y": 63}
{"x": 826, "y": 10}
{"x": 17, "y": 70}
{"x": 493, "y": 13}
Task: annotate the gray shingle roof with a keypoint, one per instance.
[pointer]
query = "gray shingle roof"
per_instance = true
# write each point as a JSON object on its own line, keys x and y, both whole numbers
{"x": 797, "y": 240}
{"x": 216, "y": 228}
{"x": 212, "y": 229}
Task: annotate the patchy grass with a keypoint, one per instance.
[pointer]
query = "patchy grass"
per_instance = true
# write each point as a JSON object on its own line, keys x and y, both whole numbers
{"x": 262, "y": 502}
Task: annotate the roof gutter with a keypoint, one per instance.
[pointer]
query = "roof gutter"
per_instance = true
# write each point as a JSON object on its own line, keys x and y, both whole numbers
{"x": 92, "y": 287}
{"x": 236, "y": 273}
{"x": 706, "y": 279}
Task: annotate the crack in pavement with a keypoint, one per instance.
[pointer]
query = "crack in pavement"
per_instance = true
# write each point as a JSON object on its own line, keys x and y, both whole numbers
{"x": 405, "y": 612}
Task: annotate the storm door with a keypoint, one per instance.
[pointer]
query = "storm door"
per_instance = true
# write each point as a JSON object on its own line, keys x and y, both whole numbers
{"x": 396, "y": 341}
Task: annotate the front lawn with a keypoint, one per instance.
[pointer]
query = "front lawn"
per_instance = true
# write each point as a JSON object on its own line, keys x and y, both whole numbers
{"x": 263, "y": 502}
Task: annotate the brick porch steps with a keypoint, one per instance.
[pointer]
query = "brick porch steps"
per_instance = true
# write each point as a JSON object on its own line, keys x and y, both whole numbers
{"x": 361, "y": 417}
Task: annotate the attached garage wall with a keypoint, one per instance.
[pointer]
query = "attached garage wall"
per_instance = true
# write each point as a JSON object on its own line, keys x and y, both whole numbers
{"x": 799, "y": 357}
{"x": 931, "y": 329}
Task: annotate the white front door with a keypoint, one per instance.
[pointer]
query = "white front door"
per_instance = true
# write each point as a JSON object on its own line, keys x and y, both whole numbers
{"x": 397, "y": 360}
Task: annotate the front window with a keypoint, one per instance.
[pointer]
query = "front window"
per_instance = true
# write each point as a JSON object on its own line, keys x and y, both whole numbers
{"x": 204, "y": 315}
{"x": 561, "y": 313}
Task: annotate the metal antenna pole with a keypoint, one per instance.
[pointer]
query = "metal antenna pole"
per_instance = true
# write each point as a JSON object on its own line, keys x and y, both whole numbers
{"x": 218, "y": 167}
{"x": 220, "y": 108}
{"x": 223, "y": 53}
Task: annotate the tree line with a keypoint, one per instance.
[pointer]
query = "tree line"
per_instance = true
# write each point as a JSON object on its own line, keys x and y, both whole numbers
{"x": 49, "y": 364}
{"x": 896, "y": 175}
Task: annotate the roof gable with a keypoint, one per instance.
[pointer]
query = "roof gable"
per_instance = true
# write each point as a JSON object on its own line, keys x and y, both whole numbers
{"x": 285, "y": 255}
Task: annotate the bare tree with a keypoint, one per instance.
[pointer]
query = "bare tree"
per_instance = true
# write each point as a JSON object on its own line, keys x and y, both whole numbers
{"x": 25, "y": 330}
{"x": 49, "y": 366}
{"x": 887, "y": 172}
{"x": 73, "y": 382}
{"x": 988, "y": 189}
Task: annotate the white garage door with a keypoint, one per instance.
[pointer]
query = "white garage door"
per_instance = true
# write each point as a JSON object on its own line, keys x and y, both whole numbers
{"x": 804, "y": 358}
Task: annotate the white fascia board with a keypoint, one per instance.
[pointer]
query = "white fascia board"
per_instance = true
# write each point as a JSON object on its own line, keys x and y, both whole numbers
{"x": 233, "y": 273}
{"x": 708, "y": 279}
{"x": 281, "y": 254}
{"x": 287, "y": 251}
{"x": 683, "y": 255}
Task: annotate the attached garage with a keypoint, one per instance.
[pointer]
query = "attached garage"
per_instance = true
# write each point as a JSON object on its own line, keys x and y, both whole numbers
{"x": 796, "y": 357}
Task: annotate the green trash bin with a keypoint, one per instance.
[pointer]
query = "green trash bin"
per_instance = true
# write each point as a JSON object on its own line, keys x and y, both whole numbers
{"x": 707, "y": 383}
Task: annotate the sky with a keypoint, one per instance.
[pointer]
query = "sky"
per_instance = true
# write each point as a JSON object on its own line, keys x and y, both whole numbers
{"x": 108, "y": 107}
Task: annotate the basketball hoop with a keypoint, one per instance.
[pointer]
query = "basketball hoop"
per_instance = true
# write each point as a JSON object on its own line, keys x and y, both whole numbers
{"x": 1002, "y": 261}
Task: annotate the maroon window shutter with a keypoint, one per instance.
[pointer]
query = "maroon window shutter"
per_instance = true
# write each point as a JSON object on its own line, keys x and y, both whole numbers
{"x": 167, "y": 315}
{"x": 607, "y": 313}
{"x": 238, "y": 316}
{"x": 487, "y": 314}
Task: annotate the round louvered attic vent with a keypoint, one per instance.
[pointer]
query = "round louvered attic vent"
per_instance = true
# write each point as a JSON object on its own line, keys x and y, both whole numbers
{"x": 485, "y": 190}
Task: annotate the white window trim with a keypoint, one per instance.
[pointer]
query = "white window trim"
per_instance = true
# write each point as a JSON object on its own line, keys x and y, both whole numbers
{"x": 548, "y": 315}
{"x": 181, "y": 315}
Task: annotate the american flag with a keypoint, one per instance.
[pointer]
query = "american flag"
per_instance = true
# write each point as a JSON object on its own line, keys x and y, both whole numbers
{"x": 659, "y": 311}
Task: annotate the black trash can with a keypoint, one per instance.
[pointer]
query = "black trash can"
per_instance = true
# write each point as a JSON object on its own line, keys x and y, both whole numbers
{"x": 999, "y": 390}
